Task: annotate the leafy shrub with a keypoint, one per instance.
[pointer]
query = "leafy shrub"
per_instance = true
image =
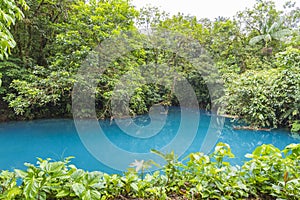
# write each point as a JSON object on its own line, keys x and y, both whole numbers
{"x": 296, "y": 127}
{"x": 267, "y": 98}
{"x": 270, "y": 174}
{"x": 289, "y": 58}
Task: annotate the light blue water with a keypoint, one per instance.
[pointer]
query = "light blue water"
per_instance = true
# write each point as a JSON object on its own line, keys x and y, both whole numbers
{"x": 57, "y": 138}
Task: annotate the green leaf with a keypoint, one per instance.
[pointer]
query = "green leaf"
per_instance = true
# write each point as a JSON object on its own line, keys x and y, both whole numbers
{"x": 134, "y": 186}
{"x": 256, "y": 39}
{"x": 63, "y": 193}
{"x": 282, "y": 34}
{"x": 20, "y": 173}
{"x": 13, "y": 192}
{"x": 78, "y": 188}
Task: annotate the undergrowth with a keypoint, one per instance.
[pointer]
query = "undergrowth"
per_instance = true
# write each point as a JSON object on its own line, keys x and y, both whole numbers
{"x": 269, "y": 174}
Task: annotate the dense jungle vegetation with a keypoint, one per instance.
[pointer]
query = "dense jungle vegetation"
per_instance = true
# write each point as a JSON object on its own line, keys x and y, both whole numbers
{"x": 254, "y": 56}
{"x": 44, "y": 42}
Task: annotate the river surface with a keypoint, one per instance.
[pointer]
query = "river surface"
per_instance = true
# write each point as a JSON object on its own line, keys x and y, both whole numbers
{"x": 25, "y": 141}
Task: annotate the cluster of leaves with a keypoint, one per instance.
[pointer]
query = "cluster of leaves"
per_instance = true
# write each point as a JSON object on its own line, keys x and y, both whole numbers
{"x": 296, "y": 127}
{"x": 269, "y": 174}
{"x": 9, "y": 13}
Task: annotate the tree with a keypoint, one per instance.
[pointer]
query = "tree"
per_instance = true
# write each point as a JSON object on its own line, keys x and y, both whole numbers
{"x": 275, "y": 31}
{"x": 37, "y": 30}
{"x": 265, "y": 23}
{"x": 149, "y": 17}
{"x": 55, "y": 38}
{"x": 263, "y": 14}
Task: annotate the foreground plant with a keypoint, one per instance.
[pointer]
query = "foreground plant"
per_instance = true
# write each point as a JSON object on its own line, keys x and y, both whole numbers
{"x": 269, "y": 174}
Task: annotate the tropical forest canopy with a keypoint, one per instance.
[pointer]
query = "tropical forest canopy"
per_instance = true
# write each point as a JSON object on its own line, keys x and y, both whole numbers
{"x": 44, "y": 42}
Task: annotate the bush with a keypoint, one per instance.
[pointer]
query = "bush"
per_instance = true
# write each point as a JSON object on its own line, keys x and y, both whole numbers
{"x": 289, "y": 58}
{"x": 267, "y": 98}
{"x": 296, "y": 127}
{"x": 270, "y": 174}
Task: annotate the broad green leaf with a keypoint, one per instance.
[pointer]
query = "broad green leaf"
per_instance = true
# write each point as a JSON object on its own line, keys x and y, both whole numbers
{"x": 63, "y": 193}
{"x": 256, "y": 39}
{"x": 134, "y": 186}
{"x": 78, "y": 188}
{"x": 282, "y": 34}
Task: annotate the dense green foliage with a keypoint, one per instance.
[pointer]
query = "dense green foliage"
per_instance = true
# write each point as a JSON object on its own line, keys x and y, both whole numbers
{"x": 256, "y": 53}
{"x": 53, "y": 41}
{"x": 9, "y": 13}
{"x": 267, "y": 97}
{"x": 296, "y": 127}
{"x": 269, "y": 174}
